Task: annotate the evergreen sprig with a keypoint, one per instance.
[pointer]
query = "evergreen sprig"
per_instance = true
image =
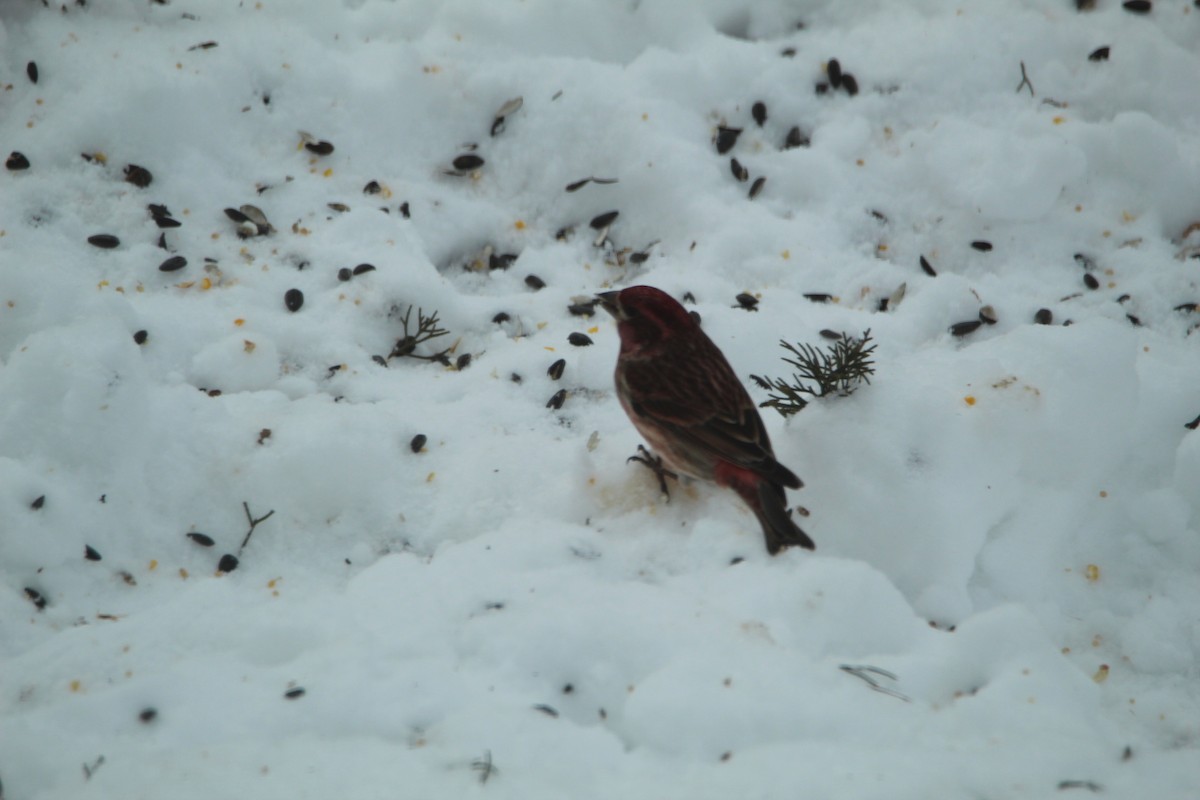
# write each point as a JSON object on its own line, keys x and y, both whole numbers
{"x": 427, "y": 328}
{"x": 837, "y": 370}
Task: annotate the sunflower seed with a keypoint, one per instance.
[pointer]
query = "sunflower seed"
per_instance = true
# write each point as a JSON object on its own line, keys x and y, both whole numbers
{"x": 38, "y": 502}
{"x": 418, "y": 442}
{"x": 1099, "y": 54}
{"x": 138, "y": 176}
{"x": 36, "y": 598}
{"x": 757, "y": 186}
{"x": 90, "y": 553}
{"x": 817, "y": 297}
{"x": 1137, "y": 6}
{"x": 604, "y": 220}
{"x": 556, "y": 369}
{"x": 31, "y": 70}
{"x": 534, "y": 282}
{"x": 963, "y": 328}
{"x": 501, "y": 318}
{"x": 695, "y": 315}
{"x": 105, "y": 240}
{"x": 834, "y": 70}
{"x": 850, "y": 84}
{"x": 294, "y": 693}
{"x": 747, "y": 301}
{"x": 795, "y": 138}
{"x": 147, "y": 715}
{"x": 1085, "y": 261}
{"x": 508, "y": 109}
{"x": 929, "y": 270}
{"x": 203, "y": 46}
{"x": 1043, "y": 316}
{"x": 981, "y": 245}
{"x": 557, "y": 400}
{"x": 467, "y": 162}
{"x": 988, "y": 315}
{"x": 739, "y": 172}
{"x": 236, "y": 216}
{"x": 372, "y": 187}
{"x": 228, "y": 563}
{"x": 463, "y": 361}
{"x": 172, "y": 264}
{"x": 293, "y": 299}
{"x": 344, "y": 274}
{"x": 759, "y": 112}
{"x": 1190, "y": 307}
{"x": 362, "y": 268}
{"x": 826, "y": 333}
{"x": 17, "y": 161}
{"x": 139, "y": 337}
{"x": 501, "y": 261}
{"x": 254, "y": 214}
{"x": 202, "y": 539}
{"x": 583, "y": 309}
{"x": 1137, "y": 323}
{"x": 726, "y": 138}
{"x": 404, "y": 212}
{"x": 341, "y": 208}
{"x": 1091, "y": 281}
{"x": 579, "y": 339}
{"x": 321, "y": 148}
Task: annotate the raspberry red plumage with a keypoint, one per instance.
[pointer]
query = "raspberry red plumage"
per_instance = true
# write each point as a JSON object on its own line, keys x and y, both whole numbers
{"x": 685, "y": 399}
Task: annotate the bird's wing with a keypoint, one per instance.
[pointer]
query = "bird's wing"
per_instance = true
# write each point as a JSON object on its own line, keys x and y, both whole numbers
{"x": 697, "y": 397}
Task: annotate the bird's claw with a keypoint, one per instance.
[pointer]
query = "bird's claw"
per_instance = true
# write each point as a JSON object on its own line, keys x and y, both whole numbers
{"x": 655, "y": 464}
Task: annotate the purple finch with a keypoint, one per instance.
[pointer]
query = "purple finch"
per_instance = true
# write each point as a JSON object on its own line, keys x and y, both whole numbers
{"x": 683, "y": 396}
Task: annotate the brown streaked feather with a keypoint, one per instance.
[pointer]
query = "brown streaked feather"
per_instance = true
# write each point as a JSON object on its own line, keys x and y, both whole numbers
{"x": 690, "y": 389}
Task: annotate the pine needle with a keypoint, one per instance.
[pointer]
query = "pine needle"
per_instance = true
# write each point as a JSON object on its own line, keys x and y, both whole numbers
{"x": 838, "y": 370}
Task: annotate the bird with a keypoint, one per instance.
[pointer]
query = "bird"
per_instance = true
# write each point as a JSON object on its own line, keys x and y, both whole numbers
{"x": 682, "y": 395}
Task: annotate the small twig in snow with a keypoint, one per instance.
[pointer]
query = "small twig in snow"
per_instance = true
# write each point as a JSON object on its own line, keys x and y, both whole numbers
{"x": 485, "y": 767}
{"x": 253, "y": 524}
{"x": 866, "y": 673}
{"x": 1025, "y": 82}
{"x": 90, "y": 770}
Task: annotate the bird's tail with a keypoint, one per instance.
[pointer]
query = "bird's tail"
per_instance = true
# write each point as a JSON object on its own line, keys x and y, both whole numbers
{"x": 769, "y": 504}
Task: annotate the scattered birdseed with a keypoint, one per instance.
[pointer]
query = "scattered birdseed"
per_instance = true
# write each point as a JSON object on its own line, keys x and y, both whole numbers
{"x": 104, "y": 240}
{"x": 726, "y": 138}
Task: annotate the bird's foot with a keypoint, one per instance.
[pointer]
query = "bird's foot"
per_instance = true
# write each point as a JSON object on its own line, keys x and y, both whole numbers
{"x": 655, "y": 464}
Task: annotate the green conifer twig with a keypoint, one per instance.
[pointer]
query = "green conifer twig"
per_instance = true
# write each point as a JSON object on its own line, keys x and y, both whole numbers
{"x": 836, "y": 371}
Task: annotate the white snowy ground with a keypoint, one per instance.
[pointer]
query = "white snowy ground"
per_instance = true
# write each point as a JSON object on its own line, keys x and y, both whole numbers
{"x": 513, "y": 611}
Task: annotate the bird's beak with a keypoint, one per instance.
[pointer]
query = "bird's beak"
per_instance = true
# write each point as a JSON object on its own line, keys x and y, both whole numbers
{"x": 608, "y": 300}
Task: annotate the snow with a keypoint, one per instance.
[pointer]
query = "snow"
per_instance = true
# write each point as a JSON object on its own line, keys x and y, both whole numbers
{"x": 1007, "y": 523}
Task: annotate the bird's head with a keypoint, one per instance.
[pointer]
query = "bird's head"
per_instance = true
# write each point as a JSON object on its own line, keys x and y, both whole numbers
{"x": 645, "y": 316}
